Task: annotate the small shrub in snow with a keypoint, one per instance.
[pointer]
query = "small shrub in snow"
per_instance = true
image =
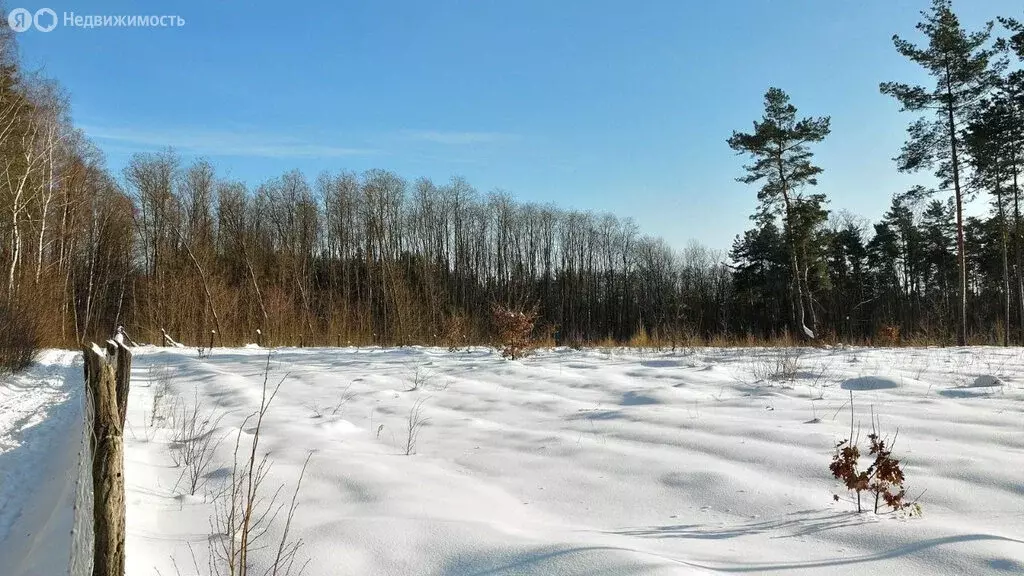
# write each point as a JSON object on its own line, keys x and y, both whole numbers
{"x": 194, "y": 445}
{"x": 844, "y": 467}
{"x": 419, "y": 377}
{"x": 416, "y": 421}
{"x": 320, "y": 410}
{"x": 247, "y": 509}
{"x": 778, "y": 365}
{"x": 316, "y": 409}
{"x": 514, "y": 329}
{"x": 346, "y": 396}
{"x": 883, "y": 478}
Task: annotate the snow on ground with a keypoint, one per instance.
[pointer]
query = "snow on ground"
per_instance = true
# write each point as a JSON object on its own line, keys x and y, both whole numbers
{"x": 590, "y": 462}
{"x": 40, "y": 438}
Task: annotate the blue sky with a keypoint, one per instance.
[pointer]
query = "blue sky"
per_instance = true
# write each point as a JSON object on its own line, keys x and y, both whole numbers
{"x": 610, "y": 106}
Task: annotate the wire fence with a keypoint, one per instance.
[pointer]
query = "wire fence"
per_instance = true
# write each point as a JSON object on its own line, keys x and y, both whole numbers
{"x": 82, "y": 537}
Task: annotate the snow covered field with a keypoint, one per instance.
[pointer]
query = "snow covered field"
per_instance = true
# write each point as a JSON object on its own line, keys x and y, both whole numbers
{"x": 574, "y": 462}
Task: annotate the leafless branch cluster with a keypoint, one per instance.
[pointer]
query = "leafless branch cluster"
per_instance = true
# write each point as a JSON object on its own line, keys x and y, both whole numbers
{"x": 247, "y": 511}
{"x": 319, "y": 410}
{"x": 19, "y": 338}
{"x": 780, "y": 364}
{"x": 194, "y": 444}
{"x": 417, "y": 420}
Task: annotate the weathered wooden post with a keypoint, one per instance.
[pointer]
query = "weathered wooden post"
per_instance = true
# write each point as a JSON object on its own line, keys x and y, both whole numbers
{"x": 122, "y": 361}
{"x": 107, "y": 381}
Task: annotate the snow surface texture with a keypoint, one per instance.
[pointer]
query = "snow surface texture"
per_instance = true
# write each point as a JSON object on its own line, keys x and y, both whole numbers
{"x": 40, "y": 443}
{"x": 592, "y": 462}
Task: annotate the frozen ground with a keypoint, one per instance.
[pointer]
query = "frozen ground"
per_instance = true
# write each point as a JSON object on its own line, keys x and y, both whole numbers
{"x": 40, "y": 438}
{"x": 577, "y": 462}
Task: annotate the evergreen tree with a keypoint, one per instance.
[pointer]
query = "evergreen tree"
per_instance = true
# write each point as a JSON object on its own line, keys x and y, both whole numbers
{"x": 1015, "y": 43}
{"x": 883, "y": 262}
{"x": 760, "y": 277}
{"x": 809, "y": 240}
{"x": 845, "y": 259}
{"x": 962, "y": 66}
{"x": 989, "y": 142}
{"x": 1013, "y": 90}
{"x": 938, "y": 255}
{"x": 782, "y": 160}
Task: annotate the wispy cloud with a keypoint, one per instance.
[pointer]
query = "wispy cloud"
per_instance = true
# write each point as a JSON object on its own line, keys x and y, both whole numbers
{"x": 222, "y": 143}
{"x": 458, "y": 138}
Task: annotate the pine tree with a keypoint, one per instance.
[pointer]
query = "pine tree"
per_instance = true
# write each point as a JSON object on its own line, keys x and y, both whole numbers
{"x": 1013, "y": 90}
{"x": 990, "y": 140}
{"x": 759, "y": 279}
{"x": 779, "y": 147}
{"x": 964, "y": 72}
{"x": 1015, "y": 43}
{"x": 845, "y": 256}
{"x": 939, "y": 264}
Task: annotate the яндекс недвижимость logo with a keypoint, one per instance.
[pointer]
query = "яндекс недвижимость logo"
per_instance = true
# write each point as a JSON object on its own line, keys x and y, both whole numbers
{"x": 45, "y": 20}
{"x": 20, "y": 19}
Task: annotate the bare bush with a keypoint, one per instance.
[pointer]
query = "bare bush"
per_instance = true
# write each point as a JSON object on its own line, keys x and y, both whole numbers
{"x": 247, "y": 510}
{"x": 415, "y": 423}
{"x": 419, "y": 377}
{"x": 316, "y": 409}
{"x": 194, "y": 445}
{"x": 777, "y": 365}
{"x": 456, "y": 332}
{"x": 514, "y": 329}
{"x": 19, "y": 337}
{"x": 319, "y": 410}
{"x": 820, "y": 375}
{"x": 346, "y": 396}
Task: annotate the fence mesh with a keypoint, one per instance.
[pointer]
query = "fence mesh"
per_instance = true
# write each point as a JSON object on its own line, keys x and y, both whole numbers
{"x": 80, "y": 563}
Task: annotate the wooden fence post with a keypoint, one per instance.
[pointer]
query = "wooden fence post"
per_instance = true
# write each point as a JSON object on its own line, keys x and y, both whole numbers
{"x": 122, "y": 356}
{"x": 107, "y": 385}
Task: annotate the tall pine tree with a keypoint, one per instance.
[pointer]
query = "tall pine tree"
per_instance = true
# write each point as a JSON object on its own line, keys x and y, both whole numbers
{"x": 989, "y": 140}
{"x": 962, "y": 66}
{"x": 782, "y": 161}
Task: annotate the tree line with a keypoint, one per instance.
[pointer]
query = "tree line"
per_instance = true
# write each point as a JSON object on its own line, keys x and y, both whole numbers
{"x": 925, "y": 269}
{"x": 346, "y": 258}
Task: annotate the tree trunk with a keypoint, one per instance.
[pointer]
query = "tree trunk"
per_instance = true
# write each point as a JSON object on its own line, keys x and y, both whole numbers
{"x": 203, "y": 279}
{"x": 797, "y": 283}
{"x": 1020, "y": 260}
{"x": 1006, "y": 266}
{"x": 256, "y": 287}
{"x": 15, "y": 251}
{"x": 961, "y": 334}
{"x": 108, "y": 464}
